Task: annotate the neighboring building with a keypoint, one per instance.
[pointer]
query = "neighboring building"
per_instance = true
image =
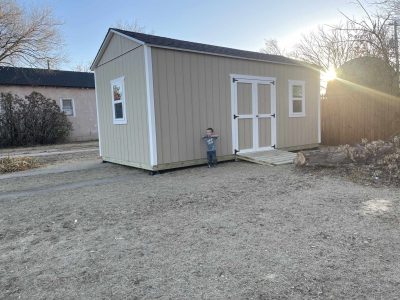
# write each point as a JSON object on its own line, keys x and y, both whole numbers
{"x": 156, "y": 96}
{"x": 74, "y": 92}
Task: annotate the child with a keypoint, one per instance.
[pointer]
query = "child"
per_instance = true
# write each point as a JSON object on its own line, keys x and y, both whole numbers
{"x": 210, "y": 140}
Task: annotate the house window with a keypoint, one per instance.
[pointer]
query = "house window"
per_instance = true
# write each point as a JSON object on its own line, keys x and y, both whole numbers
{"x": 67, "y": 106}
{"x": 297, "y": 98}
{"x": 118, "y": 100}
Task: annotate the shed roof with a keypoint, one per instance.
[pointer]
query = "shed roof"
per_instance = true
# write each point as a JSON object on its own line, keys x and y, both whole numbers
{"x": 45, "y": 77}
{"x": 164, "y": 42}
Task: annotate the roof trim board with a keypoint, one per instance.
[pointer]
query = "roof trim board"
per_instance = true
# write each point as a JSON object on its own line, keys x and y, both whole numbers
{"x": 232, "y": 56}
{"x": 186, "y": 46}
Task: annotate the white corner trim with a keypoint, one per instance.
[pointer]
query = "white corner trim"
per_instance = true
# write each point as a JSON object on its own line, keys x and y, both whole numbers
{"x": 150, "y": 105}
{"x": 97, "y": 114}
{"x": 319, "y": 117}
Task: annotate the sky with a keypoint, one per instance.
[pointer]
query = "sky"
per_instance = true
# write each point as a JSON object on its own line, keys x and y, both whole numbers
{"x": 237, "y": 24}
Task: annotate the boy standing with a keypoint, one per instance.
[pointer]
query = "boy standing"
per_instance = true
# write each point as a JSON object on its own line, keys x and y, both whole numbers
{"x": 210, "y": 140}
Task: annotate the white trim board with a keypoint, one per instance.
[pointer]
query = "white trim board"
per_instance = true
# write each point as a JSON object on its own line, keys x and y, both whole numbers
{"x": 233, "y": 112}
{"x": 150, "y": 105}
{"x": 124, "y": 119}
{"x": 97, "y": 114}
{"x": 302, "y": 83}
{"x": 73, "y": 106}
{"x": 304, "y": 65}
{"x": 254, "y": 80}
{"x": 319, "y": 117}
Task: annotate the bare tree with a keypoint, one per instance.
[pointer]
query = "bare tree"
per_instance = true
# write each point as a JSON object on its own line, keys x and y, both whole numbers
{"x": 330, "y": 47}
{"x": 83, "y": 66}
{"x": 373, "y": 33}
{"x": 271, "y": 46}
{"x": 28, "y": 38}
{"x": 131, "y": 26}
{"x": 392, "y": 6}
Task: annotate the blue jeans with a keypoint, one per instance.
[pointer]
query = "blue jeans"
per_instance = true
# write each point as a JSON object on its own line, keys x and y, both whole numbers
{"x": 212, "y": 158}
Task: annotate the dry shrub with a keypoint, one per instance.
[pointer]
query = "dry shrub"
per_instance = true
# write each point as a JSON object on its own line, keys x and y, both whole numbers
{"x": 382, "y": 157}
{"x": 14, "y": 164}
{"x": 32, "y": 120}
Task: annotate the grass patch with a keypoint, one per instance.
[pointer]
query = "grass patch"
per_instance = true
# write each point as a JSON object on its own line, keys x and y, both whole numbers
{"x": 14, "y": 164}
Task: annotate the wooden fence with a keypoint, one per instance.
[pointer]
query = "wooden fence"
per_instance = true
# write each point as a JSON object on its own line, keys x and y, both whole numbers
{"x": 350, "y": 113}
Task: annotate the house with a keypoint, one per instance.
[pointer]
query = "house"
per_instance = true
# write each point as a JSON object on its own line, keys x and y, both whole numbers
{"x": 156, "y": 96}
{"x": 74, "y": 92}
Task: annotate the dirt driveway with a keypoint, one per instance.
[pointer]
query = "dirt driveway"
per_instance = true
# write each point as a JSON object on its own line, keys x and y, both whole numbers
{"x": 55, "y": 154}
{"x": 89, "y": 230}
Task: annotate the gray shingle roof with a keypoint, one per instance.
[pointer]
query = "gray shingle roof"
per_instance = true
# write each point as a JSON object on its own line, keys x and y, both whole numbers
{"x": 211, "y": 49}
{"x": 44, "y": 77}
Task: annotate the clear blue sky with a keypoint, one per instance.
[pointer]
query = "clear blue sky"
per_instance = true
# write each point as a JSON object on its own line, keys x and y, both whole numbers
{"x": 236, "y": 24}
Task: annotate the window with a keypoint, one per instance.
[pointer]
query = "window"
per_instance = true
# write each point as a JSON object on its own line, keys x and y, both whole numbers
{"x": 296, "y": 98}
{"x": 67, "y": 106}
{"x": 118, "y": 100}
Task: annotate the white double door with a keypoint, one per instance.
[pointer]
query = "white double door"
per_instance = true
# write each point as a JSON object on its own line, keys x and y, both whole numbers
{"x": 254, "y": 113}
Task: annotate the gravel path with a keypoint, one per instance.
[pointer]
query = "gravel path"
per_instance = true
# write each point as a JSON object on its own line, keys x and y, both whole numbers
{"x": 54, "y": 154}
{"x": 239, "y": 231}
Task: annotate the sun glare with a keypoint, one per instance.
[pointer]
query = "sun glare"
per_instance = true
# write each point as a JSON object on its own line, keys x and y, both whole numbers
{"x": 329, "y": 75}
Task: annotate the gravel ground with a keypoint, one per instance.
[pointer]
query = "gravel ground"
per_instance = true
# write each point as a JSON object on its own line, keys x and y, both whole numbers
{"x": 240, "y": 231}
{"x": 49, "y": 148}
{"x": 56, "y": 154}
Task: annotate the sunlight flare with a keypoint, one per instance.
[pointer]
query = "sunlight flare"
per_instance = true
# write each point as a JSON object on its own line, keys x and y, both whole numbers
{"x": 328, "y": 75}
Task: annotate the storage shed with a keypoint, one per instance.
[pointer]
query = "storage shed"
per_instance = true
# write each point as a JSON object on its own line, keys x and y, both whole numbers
{"x": 156, "y": 96}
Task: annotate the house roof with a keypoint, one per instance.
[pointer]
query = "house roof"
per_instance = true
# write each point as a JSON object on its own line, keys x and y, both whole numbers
{"x": 164, "y": 42}
{"x": 45, "y": 77}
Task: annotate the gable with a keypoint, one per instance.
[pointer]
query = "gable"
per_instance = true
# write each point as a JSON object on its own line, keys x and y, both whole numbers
{"x": 117, "y": 46}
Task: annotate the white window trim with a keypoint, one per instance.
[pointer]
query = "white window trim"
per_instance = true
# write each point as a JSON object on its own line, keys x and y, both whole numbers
{"x": 303, "y": 99}
{"x": 123, "y": 120}
{"x": 73, "y": 106}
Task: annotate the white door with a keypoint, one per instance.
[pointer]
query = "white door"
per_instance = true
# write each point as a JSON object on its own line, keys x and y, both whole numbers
{"x": 254, "y": 113}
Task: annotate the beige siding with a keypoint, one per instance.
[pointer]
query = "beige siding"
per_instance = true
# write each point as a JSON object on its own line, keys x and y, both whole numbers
{"x": 116, "y": 47}
{"x": 84, "y": 122}
{"x": 192, "y": 92}
{"x": 127, "y": 143}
